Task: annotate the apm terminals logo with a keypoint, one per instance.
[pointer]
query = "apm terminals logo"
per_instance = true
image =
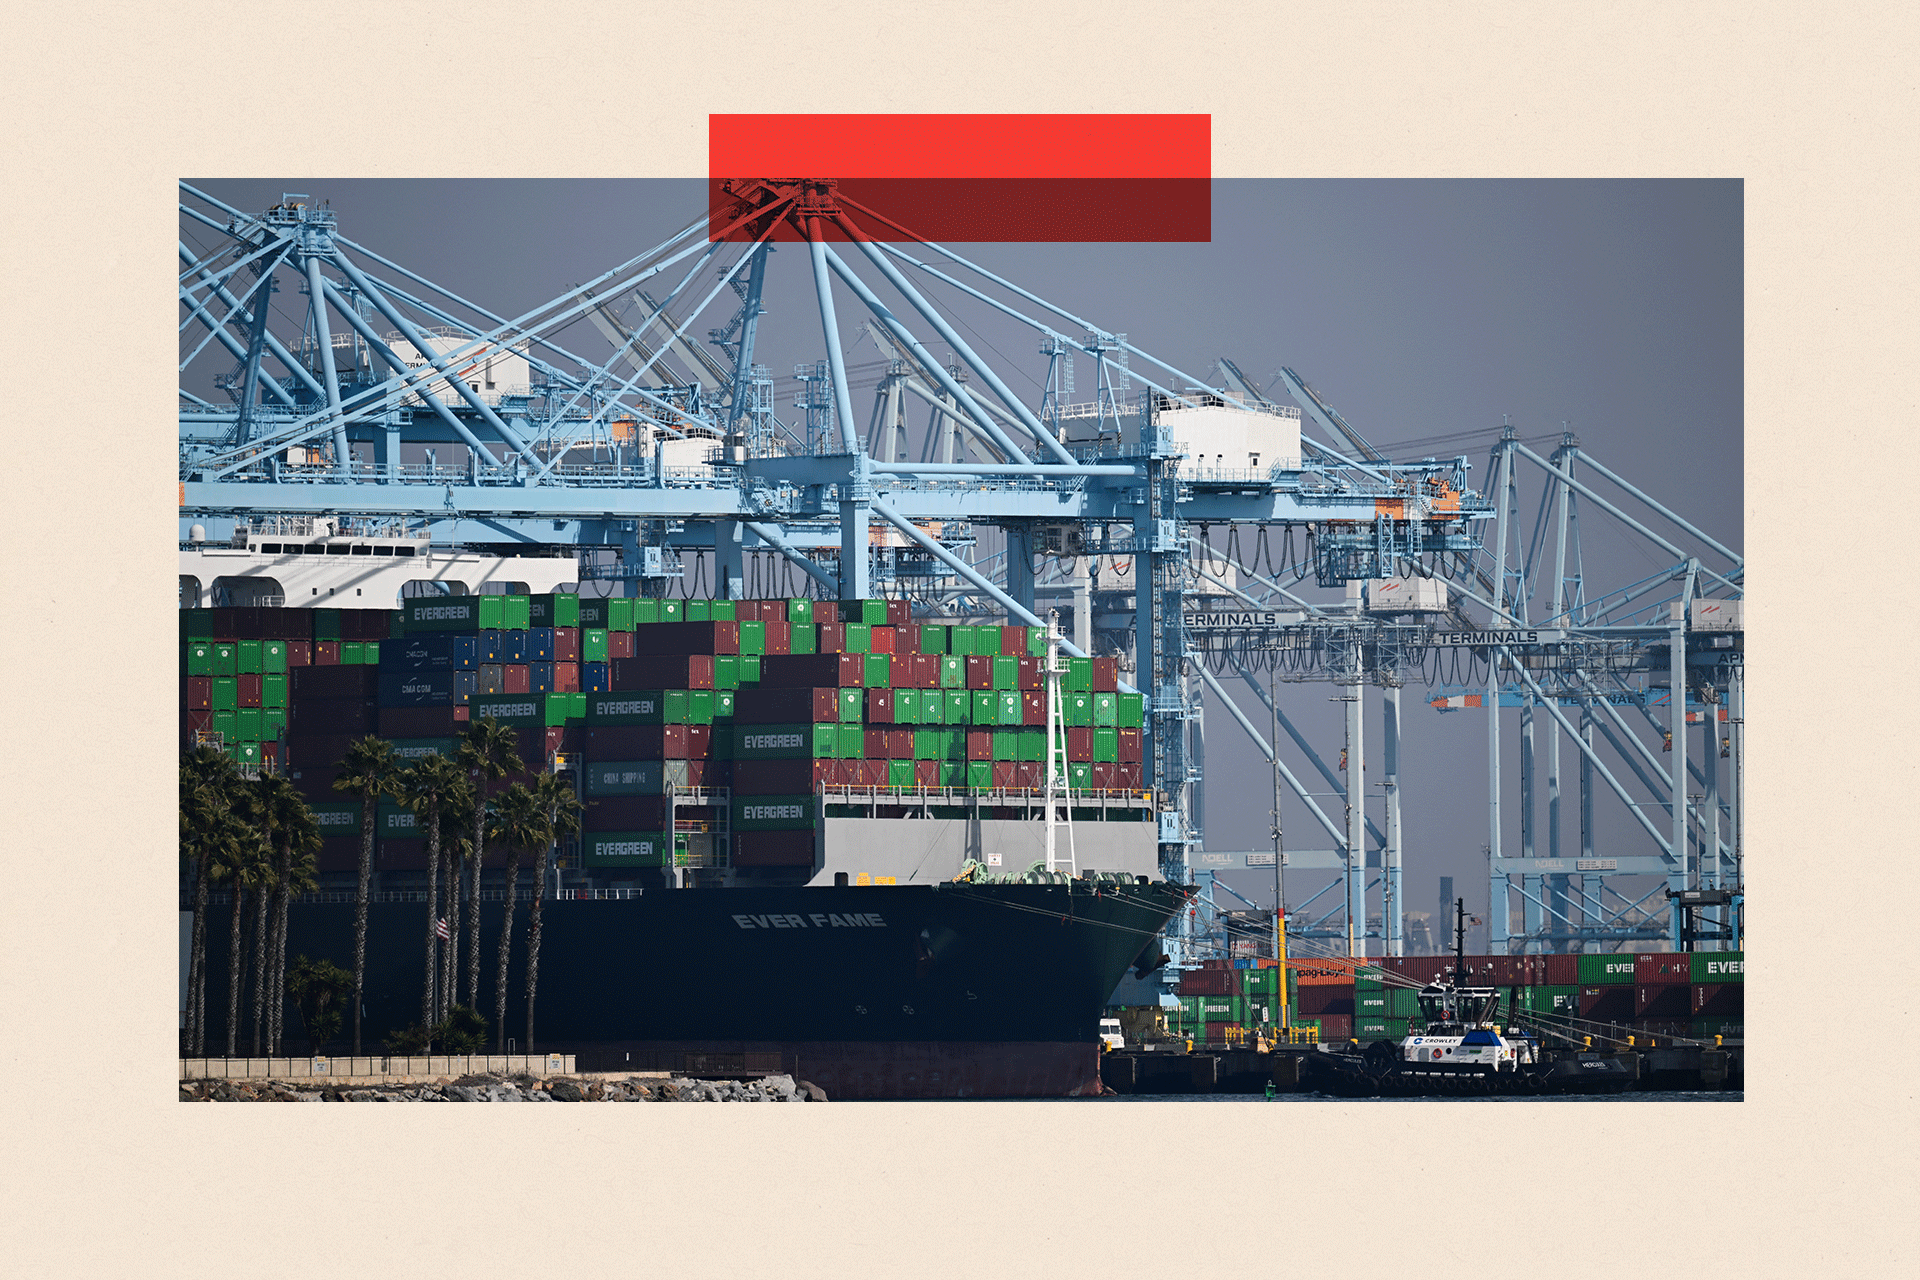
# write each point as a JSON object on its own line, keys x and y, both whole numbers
{"x": 770, "y": 741}
{"x": 770, "y": 812}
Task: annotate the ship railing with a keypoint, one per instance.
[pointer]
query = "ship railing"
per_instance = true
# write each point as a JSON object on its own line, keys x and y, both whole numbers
{"x": 999, "y": 797}
{"x": 222, "y": 897}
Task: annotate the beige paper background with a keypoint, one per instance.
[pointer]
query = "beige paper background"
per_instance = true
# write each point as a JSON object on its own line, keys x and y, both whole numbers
{"x": 107, "y": 105}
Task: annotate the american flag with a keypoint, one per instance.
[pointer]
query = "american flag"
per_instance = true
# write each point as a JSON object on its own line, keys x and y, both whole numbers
{"x": 440, "y": 927}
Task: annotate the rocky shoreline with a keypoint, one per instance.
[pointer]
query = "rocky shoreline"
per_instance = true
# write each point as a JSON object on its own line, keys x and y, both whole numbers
{"x": 509, "y": 1088}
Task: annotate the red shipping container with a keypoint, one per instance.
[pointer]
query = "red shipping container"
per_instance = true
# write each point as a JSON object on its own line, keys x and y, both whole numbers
{"x": 654, "y": 671}
{"x": 783, "y": 777}
{"x": 811, "y": 671}
{"x": 1079, "y": 744}
{"x": 875, "y": 743}
{"x": 926, "y": 774}
{"x": 636, "y": 742}
{"x": 299, "y": 653}
{"x": 772, "y": 849}
{"x": 319, "y": 751}
{"x": 516, "y": 677}
{"x": 1106, "y": 776}
{"x": 1205, "y": 982}
{"x": 1320, "y": 999}
{"x": 826, "y": 611}
{"x": 1030, "y": 774}
{"x": 419, "y": 722}
{"x": 1422, "y": 969}
{"x": 899, "y": 744}
{"x": 900, "y": 671}
{"x": 1003, "y": 774}
{"x": 333, "y": 715}
{"x": 1013, "y": 641}
{"x": 979, "y": 672}
{"x": 1130, "y": 746}
{"x": 830, "y": 637}
{"x": 879, "y": 707}
{"x": 1106, "y": 675}
{"x": 1663, "y": 966}
{"x": 759, "y": 704}
{"x": 405, "y": 855}
{"x": 1562, "y": 970}
{"x": 462, "y": 714}
{"x": 669, "y": 639}
{"x": 979, "y": 744}
{"x": 1130, "y": 774}
{"x": 619, "y": 644}
{"x": 566, "y": 676}
{"x": 1710, "y": 1000}
{"x": 1031, "y": 677}
{"x": 779, "y": 635}
{"x": 870, "y": 773}
{"x": 1033, "y": 709}
{"x": 625, "y": 813}
{"x": 699, "y": 741}
{"x": 196, "y": 692}
{"x": 1336, "y": 1028}
{"x": 310, "y": 683}
{"x": 1661, "y": 1000}
{"x": 566, "y": 644}
{"x": 899, "y": 613}
{"x": 882, "y": 640}
{"x": 1322, "y": 971}
{"x": 326, "y": 653}
{"x": 926, "y": 671}
{"x": 248, "y": 690}
{"x": 1612, "y": 1003}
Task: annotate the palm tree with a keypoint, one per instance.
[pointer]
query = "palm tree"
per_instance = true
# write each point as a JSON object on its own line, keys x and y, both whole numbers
{"x": 244, "y": 861}
{"x": 288, "y": 826}
{"x": 368, "y": 772}
{"x": 556, "y": 800}
{"x": 424, "y": 787}
{"x": 488, "y": 752}
{"x": 210, "y": 788}
{"x": 519, "y": 822}
{"x": 456, "y": 844}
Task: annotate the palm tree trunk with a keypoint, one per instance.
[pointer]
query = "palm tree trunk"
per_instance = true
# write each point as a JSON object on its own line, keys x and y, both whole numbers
{"x": 450, "y": 967}
{"x": 260, "y": 901}
{"x": 506, "y": 940}
{"x": 427, "y": 1002}
{"x": 233, "y": 968}
{"x": 269, "y": 988}
{"x": 533, "y": 939}
{"x": 473, "y": 903}
{"x": 277, "y": 993}
{"x": 362, "y": 895}
{"x": 197, "y": 959}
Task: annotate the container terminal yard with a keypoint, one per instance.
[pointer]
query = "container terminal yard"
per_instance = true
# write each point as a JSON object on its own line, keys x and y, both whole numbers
{"x": 886, "y": 723}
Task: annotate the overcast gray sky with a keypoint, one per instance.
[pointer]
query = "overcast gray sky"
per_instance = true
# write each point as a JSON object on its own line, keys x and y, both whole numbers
{"x": 1417, "y": 308}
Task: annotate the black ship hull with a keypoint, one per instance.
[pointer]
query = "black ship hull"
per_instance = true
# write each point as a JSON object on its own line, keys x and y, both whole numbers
{"x": 948, "y": 990}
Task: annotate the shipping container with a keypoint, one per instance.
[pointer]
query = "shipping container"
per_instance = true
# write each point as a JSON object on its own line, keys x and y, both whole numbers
{"x": 1717, "y": 967}
{"x": 775, "y": 813}
{"x": 624, "y": 848}
{"x": 418, "y": 722}
{"x": 1598, "y": 969}
{"x": 774, "y": 849}
{"x": 625, "y": 812}
{"x": 804, "y": 741}
{"x": 1609, "y": 1002}
{"x": 1663, "y": 966}
{"x": 1719, "y": 999}
{"x": 1320, "y": 999}
{"x": 654, "y": 671}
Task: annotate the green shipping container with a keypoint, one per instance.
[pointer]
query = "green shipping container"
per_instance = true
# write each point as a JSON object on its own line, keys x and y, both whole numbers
{"x": 244, "y": 753}
{"x": 1369, "y": 979}
{"x": 982, "y": 707}
{"x": 632, "y": 707}
{"x": 198, "y": 657}
{"x": 247, "y": 658}
{"x": 1404, "y": 1002}
{"x": 959, "y": 708}
{"x": 753, "y": 636}
{"x": 593, "y": 644}
{"x": 645, "y": 611}
{"x": 223, "y": 724}
{"x": 1079, "y": 675}
{"x": 960, "y": 642}
{"x": 979, "y": 775}
{"x": 1030, "y": 745}
{"x": 750, "y": 669}
{"x": 624, "y": 778}
{"x": 1006, "y": 673}
{"x": 803, "y": 637}
{"x": 560, "y": 609}
{"x": 273, "y": 657}
{"x": 697, "y": 611}
{"x": 900, "y": 774}
{"x": 273, "y": 690}
{"x": 196, "y": 624}
{"x": 1599, "y": 970}
{"x": 722, "y": 611}
{"x": 370, "y": 653}
{"x": 353, "y": 653}
{"x": 876, "y": 670}
{"x": 1370, "y": 1003}
{"x": 1076, "y": 709}
{"x": 1080, "y": 777}
{"x": 723, "y": 705}
{"x": 852, "y": 705}
{"x": 624, "y": 848}
{"x": 1007, "y": 709}
{"x": 1106, "y": 746}
{"x": 1222, "y": 1009}
{"x": 337, "y": 819}
{"x": 674, "y": 611}
{"x": 1005, "y": 745}
{"x": 226, "y": 662}
{"x": 326, "y": 622}
{"x": 1719, "y": 966}
{"x": 1130, "y": 710}
{"x": 699, "y": 706}
{"x": 906, "y": 706}
{"x": 953, "y": 774}
{"x": 1264, "y": 982}
{"x": 398, "y": 823}
{"x": 726, "y": 671}
{"x": 526, "y": 710}
{"x": 1106, "y": 709}
{"x": 786, "y": 742}
{"x": 273, "y": 723}
{"x": 1367, "y": 1028}
{"x": 852, "y": 741}
{"x": 953, "y": 672}
{"x": 932, "y": 639}
{"x": 799, "y": 611}
{"x": 408, "y": 750}
{"x": 246, "y": 724}
{"x": 859, "y": 638}
{"x": 225, "y": 693}
{"x": 774, "y": 813}
{"x": 1560, "y": 1000}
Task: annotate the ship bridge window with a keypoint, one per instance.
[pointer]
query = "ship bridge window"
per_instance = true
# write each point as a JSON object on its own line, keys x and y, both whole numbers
{"x": 363, "y": 550}
{"x": 338, "y": 550}
{"x": 403, "y": 551}
{"x": 383, "y": 551}
{"x": 316, "y": 548}
{"x": 269, "y": 548}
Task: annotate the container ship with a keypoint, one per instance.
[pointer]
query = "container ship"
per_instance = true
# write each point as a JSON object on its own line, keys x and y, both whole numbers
{"x": 815, "y": 833}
